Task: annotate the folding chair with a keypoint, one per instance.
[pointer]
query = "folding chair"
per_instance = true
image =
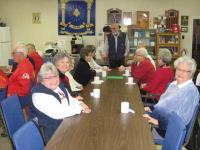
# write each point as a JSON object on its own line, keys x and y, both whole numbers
{"x": 28, "y": 137}
{"x": 175, "y": 134}
{"x": 3, "y": 92}
{"x": 12, "y": 114}
{"x": 190, "y": 126}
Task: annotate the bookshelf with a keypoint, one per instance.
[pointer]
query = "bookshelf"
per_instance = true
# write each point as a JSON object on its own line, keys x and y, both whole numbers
{"x": 142, "y": 37}
{"x": 169, "y": 40}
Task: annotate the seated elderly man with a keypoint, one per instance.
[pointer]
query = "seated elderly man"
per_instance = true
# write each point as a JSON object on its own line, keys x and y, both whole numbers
{"x": 162, "y": 76}
{"x": 32, "y": 53}
{"x": 21, "y": 79}
{"x": 51, "y": 102}
{"x": 180, "y": 97}
{"x": 142, "y": 69}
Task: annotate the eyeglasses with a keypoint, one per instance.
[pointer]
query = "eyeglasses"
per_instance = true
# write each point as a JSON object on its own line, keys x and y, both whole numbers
{"x": 13, "y": 53}
{"x": 182, "y": 70}
{"x": 137, "y": 55}
{"x": 51, "y": 77}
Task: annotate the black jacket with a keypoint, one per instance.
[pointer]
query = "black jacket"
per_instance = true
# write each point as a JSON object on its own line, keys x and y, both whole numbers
{"x": 83, "y": 73}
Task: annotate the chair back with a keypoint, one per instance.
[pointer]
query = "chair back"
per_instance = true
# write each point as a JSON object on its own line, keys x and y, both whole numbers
{"x": 175, "y": 133}
{"x": 2, "y": 94}
{"x": 28, "y": 137}
{"x": 12, "y": 114}
{"x": 190, "y": 126}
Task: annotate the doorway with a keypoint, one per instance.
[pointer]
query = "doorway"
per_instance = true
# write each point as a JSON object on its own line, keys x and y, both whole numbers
{"x": 196, "y": 42}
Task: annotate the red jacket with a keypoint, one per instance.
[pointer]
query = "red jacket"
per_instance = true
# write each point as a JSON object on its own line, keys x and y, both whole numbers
{"x": 143, "y": 72}
{"x": 3, "y": 79}
{"x": 162, "y": 77}
{"x": 37, "y": 60}
{"x": 21, "y": 79}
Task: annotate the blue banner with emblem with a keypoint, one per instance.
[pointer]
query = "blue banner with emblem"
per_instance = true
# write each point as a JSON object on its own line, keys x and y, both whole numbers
{"x": 76, "y": 17}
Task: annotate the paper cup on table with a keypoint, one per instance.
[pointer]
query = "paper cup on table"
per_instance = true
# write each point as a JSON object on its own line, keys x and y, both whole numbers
{"x": 96, "y": 79}
{"x": 96, "y": 93}
{"x": 104, "y": 73}
{"x": 125, "y": 108}
{"x": 130, "y": 80}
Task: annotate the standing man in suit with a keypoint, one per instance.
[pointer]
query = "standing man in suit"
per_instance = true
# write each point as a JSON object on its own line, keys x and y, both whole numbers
{"x": 116, "y": 47}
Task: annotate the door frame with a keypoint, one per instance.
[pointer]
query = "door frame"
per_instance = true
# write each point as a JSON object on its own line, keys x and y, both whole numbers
{"x": 191, "y": 32}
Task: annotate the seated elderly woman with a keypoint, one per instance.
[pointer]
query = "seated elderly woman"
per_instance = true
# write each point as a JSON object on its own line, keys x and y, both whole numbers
{"x": 142, "y": 69}
{"x": 75, "y": 86}
{"x": 84, "y": 73}
{"x": 61, "y": 61}
{"x": 51, "y": 102}
{"x": 93, "y": 63}
{"x": 162, "y": 76}
{"x": 180, "y": 97}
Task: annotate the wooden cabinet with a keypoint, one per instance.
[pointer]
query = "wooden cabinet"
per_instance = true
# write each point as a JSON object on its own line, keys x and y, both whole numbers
{"x": 170, "y": 41}
{"x": 142, "y": 37}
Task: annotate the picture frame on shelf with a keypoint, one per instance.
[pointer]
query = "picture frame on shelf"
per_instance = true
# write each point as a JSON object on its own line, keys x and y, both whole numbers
{"x": 184, "y": 29}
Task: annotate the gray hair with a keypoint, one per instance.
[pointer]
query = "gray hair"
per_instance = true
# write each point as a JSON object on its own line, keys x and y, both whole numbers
{"x": 47, "y": 67}
{"x": 165, "y": 55}
{"x": 187, "y": 60}
{"x": 85, "y": 52}
{"x": 31, "y": 44}
{"x": 60, "y": 55}
{"x": 142, "y": 52}
{"x": 21, "y": 47}
{"x": 91, "y": 47}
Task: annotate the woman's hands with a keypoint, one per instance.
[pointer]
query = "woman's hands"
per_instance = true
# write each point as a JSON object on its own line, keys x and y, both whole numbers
{"x": 151, "y": 120}
{"x": 85, "y": 108}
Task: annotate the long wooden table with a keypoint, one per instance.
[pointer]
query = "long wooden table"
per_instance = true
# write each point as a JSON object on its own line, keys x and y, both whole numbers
{"x": 105, "y": 128}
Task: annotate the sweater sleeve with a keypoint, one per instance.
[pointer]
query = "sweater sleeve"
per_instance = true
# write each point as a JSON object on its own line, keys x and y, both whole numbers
{"x": 139, "y": 71}
{"x": 154, "y": 83}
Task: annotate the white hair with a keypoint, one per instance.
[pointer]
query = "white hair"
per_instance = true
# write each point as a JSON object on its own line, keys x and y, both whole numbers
{"x": 142, "y": 51}
{"x": 165, "y": 55}
{"x": 46, "y": 68}
{"x": 187, "y": 60}
{"x": 21, "y": 47}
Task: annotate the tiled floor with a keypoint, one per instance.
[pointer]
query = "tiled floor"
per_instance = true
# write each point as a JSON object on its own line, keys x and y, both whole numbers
{"x": 5, "y": 143}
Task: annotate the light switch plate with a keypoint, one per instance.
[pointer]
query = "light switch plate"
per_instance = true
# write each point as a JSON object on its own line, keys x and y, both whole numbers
{"x": 36, "y": 18}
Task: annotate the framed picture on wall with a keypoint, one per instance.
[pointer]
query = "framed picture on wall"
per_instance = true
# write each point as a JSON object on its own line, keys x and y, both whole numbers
{"x": 184, "y": 29}
{"x": 114, "y": 15}
{"x": 127, "y": 18}
{"x": 143, "y": 19}
{"x": 184, "y": 20}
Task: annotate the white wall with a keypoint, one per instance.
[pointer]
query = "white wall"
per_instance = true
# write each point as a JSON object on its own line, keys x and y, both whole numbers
{"x": 18, "y": 15}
